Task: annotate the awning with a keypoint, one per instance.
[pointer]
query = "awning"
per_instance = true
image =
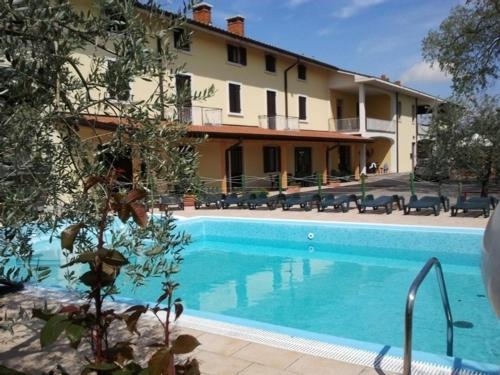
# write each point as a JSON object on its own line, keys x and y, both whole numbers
{"x": 244, "y": 132}
{"x": 252, "y": 132}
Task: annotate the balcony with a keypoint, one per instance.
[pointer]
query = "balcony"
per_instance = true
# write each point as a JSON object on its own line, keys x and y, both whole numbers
{"x": 196, "y": 115}
{"x": 279, "y": 122}
{"x": 423, "y": 131}
{"x": 377, "y": 125}
{"x": 344, "y": 125}
{"x": 351, "y": 125}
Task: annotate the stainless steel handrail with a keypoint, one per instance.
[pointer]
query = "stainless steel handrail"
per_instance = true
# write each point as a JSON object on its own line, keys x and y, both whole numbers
{"x": 410, "y": 303}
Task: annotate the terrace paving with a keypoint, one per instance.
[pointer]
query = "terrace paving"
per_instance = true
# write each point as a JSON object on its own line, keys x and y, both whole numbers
{"x": 217, "y": 355}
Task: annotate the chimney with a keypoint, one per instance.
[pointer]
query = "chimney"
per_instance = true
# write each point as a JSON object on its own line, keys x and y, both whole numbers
{"x": 383, "y": 77}
{"x": 202, "y": 13}
{"x": 236, "y": 25}
{"x": 397, "y": 83}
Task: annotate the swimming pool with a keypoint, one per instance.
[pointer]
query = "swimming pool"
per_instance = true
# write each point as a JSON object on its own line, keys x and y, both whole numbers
{"x": 336, "y": 279}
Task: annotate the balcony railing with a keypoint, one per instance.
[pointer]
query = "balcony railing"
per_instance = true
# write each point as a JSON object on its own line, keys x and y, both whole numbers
{"x": 196, "y": 115}
{"x": 344, "y": 125}
{"x": 423, "y": 131}
{"x": 377, "y": 125}
{"x": 279, "y": 122}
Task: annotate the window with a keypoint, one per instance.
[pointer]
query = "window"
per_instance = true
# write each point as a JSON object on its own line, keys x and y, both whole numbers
{"x": 237, "y": 55}
{"x": 302, "y": 108}
{"x": 181, "y": 40}
{"x": 302, "y": 72}
{"x": 234, "y": 98}
{"x": 272, "y": 159}
{"x": 118, "y": 81}
{"x": 413, "y": 112}
{"x": 399, "y": 109}
{"x": 270, "y": 63}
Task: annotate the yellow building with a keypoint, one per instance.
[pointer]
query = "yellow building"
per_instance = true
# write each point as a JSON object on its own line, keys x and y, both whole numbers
{"x": 277, "y": 113}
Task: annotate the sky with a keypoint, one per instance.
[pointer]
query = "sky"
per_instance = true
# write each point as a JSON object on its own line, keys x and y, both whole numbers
{"x": 368, "y": 36}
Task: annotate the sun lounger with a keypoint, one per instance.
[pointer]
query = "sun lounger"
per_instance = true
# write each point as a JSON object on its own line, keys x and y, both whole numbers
{"x": 208, "y": 200}
{"x": 472, "y": 204}
{"x": 386, "y": 201}
{"x": 427, "y": 202}
{"x": 234, "y": 199}
{"x": 330, "y": 200}
{"x": 305, "y": 201}
{"x": 263, "y": 200}
{"x": 166, "y": 201}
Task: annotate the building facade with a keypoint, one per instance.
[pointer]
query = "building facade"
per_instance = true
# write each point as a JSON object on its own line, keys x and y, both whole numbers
{"x": 279, "y": 116}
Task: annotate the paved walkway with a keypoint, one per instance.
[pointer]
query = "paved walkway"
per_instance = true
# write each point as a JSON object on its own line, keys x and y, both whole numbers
{"x": 218, "y": 355}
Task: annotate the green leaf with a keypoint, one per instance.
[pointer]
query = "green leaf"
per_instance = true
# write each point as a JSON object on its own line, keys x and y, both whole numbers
{"x": 113, "y": 258}
{"x": 87, "y": 257}
{"x": 68, "y": 236}
{"x": 184, "y": 344}
{"x": 53, "y": 329}
{"x": 154, "y": 251}
{"x": 102, "y": 366}
{"x": 159, "y": 361}
{"x": 8, "y": 371}
{"x": 75, "y": 332}
{"x": 90, "y": 278}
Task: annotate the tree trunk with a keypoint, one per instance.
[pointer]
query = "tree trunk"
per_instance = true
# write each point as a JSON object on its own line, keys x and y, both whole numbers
{"x": 485, "y": 180}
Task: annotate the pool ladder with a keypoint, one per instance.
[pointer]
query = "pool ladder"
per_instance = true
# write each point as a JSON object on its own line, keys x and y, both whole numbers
{"x": 410, "y": 303}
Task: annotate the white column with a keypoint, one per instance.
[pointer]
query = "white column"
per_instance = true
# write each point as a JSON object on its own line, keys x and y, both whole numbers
{"x": 362, "y": 109}
{"x": 362, "y": 159}
{"x": 394, "y": 147}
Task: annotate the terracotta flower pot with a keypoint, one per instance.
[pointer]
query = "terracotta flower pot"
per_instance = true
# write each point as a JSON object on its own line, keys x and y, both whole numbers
{"x": 189, "y": 200}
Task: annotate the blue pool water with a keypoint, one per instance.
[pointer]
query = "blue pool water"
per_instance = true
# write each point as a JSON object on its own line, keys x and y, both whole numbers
{"x": 344, "y": 280}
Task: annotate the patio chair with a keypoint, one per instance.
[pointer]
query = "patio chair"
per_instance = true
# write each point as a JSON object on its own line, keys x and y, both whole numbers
{"x": 166, "y": 201}
{"x": 427, "y": 202}
{"x": 234, "y": 199}
{"x": 208, "y": 200}
{"x": 472, "y": 204}
{"x": 330, "y": 200}
{"x": 304, "y": 201}
{"x": 386, "y": 201}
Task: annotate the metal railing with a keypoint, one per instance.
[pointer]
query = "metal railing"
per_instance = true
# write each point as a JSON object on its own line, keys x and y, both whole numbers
{"x": 197, "y": 115}
{"x": 378, "y": 125}
{"x": 344, "y": 125}
{"x": 423, "y": 130}
{"x": 279, "y": 122}
{"x": 410, "y": 303}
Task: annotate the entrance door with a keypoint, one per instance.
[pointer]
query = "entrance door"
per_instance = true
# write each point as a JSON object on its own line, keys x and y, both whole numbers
{"x": 303, "y": 162}
{"x": 183, "y": 91}
{"x": 271, "y": 109}
{"x": 345, "y": 159}
{"x": 234, "y": 167}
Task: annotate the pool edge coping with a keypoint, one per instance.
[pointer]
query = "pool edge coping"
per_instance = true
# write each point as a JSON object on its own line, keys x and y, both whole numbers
{"x": 183, "y": 219}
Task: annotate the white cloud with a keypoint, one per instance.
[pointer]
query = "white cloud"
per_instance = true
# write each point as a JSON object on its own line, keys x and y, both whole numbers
{"x": 423, "y": 72}
{"x": 296, "y": 3}
{"x": 355, "y": 6}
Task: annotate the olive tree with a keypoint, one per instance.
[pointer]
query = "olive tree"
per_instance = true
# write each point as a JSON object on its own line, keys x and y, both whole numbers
{"x": 59, "y": 68}
{"x": 467, "y": 45}
{"x": 465, "y": 140}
